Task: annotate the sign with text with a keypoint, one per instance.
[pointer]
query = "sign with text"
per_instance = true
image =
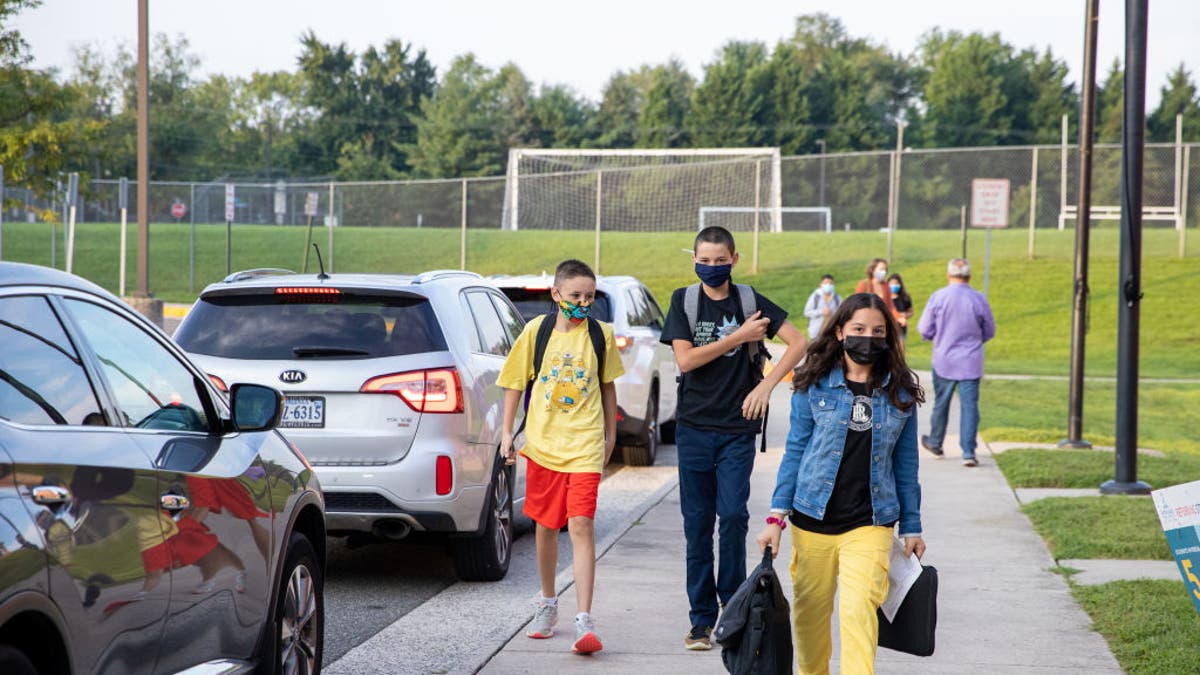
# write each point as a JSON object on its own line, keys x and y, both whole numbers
{"x": 989, "y": 202}
{"x": 1179, "y": 512}
{"x": 229, "y": 202}
{"x": 310, "y": 204}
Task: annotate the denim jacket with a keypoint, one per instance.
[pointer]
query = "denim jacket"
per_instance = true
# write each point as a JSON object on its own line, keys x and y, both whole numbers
{"x": 820, "y": 419}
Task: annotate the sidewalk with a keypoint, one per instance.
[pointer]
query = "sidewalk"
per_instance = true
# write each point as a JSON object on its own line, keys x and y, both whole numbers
{"x": 999, "y": 610}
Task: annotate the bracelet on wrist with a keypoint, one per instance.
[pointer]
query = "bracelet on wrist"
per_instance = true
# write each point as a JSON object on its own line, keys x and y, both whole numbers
{"x": 776, "y": 520}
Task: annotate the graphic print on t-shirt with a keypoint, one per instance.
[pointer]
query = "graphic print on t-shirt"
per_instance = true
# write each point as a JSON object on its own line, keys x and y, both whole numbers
{"x": 709, "y": 331}
{"x": 860, "y": 413}
{"x": 567, "y": 382}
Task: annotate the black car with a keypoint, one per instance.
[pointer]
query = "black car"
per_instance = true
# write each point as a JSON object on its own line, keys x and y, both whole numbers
{"x": 147, "y": 524}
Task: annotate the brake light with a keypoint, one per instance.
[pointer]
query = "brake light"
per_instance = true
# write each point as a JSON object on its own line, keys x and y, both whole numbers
{"x": 309, "y": 294}
{"x": 444, "y": 475}
{"x": 623, "y": 342}
{"x": 218, "y": 383}
{"x": 432, "y": 391}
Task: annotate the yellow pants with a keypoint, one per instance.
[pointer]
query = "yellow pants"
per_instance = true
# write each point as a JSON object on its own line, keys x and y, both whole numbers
{"x": 854, "y": 566}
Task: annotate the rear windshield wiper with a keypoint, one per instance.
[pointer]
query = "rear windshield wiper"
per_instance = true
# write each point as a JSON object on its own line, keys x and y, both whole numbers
{"x": 328, "y": 351}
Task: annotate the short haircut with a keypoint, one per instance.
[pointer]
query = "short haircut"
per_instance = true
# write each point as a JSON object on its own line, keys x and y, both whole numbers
{"x": 958, "y": 268}
{"x": 872, "y": 265}
{"x": 570, "y": 269}
{"x": 715, "y": 235}
{"x": 826, "y": 276}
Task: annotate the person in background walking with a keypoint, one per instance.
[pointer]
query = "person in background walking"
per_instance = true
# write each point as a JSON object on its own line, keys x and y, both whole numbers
{"x": 876, "y": 282}
{"x": 848, "y": 476}
{"x": 958, "y": 320}
{"x": 903, "y": 303}
{"x": 821, "y": 305}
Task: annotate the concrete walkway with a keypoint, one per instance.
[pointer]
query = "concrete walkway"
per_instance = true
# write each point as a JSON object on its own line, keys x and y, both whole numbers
{"x": 1000, "y": 609}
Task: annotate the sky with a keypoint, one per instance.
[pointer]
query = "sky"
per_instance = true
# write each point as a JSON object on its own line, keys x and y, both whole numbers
{"x": 582, "y": 44}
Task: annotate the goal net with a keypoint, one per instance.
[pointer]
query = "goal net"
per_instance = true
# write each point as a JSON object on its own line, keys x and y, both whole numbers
{"x": 641, "y": 190}
{"x": 791, "y": 218}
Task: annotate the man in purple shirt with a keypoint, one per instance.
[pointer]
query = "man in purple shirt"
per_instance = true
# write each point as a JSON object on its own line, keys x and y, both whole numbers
{"x": 958, "y": 320}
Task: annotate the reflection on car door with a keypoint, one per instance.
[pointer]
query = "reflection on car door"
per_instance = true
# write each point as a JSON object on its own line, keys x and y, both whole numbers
{"x": 90, "y": 490}
{"x": 212, "y": 485}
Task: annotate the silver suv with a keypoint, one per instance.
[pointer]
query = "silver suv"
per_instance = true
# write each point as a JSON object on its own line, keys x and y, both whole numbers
{"x": 391, "y": 395}
{"x": 646, "y": 392}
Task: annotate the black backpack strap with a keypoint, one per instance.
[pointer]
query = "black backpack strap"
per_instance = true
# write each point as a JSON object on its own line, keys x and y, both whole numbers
{"x": 540, "y": 342}
{"x": 599, "y": 345}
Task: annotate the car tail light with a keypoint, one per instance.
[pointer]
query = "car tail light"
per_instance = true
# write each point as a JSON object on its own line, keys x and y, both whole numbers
{"x": 218, "y": 383}
{"x": 431, "y": 391}
{"x": 623, "y": 342}
{"x": 312, "y": 294}
{"x": 444, "y": 479}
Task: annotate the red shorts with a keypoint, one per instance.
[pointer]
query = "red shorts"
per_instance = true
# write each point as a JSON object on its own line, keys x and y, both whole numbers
{"x": 551, "y": 497}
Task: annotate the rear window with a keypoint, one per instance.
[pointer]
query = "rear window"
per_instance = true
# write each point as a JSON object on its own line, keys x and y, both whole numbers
{"x": 531, "y": 302}
{"x": 282, "y": 327}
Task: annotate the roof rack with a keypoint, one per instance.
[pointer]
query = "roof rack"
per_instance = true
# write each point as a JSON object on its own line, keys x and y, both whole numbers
{"x": 254, "y": 273}
{"x": 426, "y": 277}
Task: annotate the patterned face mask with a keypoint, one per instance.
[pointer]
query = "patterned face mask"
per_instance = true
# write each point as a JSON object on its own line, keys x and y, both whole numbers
{"x": 575, "y": 313}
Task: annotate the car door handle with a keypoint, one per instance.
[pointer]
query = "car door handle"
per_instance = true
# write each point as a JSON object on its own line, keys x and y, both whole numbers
{"x": 51, "y": 495}
{"x": 174, "y": 502}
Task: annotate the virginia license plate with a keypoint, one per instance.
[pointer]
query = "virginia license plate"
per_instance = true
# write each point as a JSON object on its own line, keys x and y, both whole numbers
{"x": 303, "y": 412}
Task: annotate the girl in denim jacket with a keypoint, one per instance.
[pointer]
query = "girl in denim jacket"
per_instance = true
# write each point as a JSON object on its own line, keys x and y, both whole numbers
{"x": 848, "y": 476}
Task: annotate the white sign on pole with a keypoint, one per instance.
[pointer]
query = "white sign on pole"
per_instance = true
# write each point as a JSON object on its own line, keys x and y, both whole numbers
{"x": 229, "y": 202}
{"x": 989, "y": 202}
{"x": 310, "y": 204}
{"x": 1178, "y": 509}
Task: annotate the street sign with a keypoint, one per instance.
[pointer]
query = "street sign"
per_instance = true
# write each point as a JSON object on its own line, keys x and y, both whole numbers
{"x": 229, "y": 202}
{"x": 1178, "y": 509}
{"x": 989, "y": 202}
{"x": 310, "y": 204}
{"x": 178, "y": 210}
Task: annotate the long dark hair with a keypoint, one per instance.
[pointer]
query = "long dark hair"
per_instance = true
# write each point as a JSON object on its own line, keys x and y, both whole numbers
{"x": 903, "y": 294}
{"x": 826, "y": 353}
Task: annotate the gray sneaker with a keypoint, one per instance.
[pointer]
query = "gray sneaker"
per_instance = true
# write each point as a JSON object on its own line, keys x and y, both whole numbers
{"x": 586, "y": 641}
{"x": 545, "y": 617}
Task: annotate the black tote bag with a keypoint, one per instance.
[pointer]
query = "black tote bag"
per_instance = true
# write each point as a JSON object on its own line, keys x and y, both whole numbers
{"x": 913, "y": 629}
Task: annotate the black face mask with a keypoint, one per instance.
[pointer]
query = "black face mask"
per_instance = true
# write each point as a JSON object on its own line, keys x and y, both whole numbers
{"x": 865, "y": 350}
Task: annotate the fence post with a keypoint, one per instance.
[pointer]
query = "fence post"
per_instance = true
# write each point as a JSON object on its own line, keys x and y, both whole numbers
{"x": 599, "y": 192}
{"x": 192, "y": 244}
{"x": 123, "y": 200}
{"x": 757, "y": 205}
{"x": 962, "y": 226}
{"x": 463, "y": 239}
{"x": 332, "y": 198}
{"x": 1183, "y": 200}
{"x": 1033, "y": 200}
{"x": 1180, "y": 224}
{"x": 1062, "y": 190}
{"x": 1, "y": 212}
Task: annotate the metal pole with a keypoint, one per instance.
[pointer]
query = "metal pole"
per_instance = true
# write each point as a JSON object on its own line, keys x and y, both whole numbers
{"x": 599, "y": 192}
{"x": 143, "y": 151}
{"x": 1, "y": 212}
{"x": 331, "y": 195}
{"x": 1183, "y": 201}
{"x": 123, "y": 199}
{"x": 757, "y": 206}
{"x": 891, "y": 208}
{"x": 987, "y": 262}
{"x": 72, "y": 205}
{"x": 462, "y": 244}
{"x": 1033, "y": 201}
{"x": 192, "y": 243}
{"x": 1062, "y": 190}
{"x": 1133, "y": 139}
{"x": 54, "y": 227}
{"x": 1074, "y": 437}
{"x": 821, "y": 199}
{"x": 1179, "y": 222}
{"x": 896, "y": 202}
{"x": 963, "y": 226}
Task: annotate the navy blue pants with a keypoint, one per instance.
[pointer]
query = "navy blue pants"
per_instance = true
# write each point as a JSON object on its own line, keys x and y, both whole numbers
{"x": 714, "y": 483}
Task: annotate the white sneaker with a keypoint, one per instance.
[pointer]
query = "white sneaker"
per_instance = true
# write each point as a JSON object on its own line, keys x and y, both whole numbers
{"x": 586, "y": 641}
{"x": 545, "y": 617}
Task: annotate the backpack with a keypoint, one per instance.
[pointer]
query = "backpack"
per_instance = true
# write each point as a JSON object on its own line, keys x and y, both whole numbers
{"x": 542, "y": 341}
{"x": 756, "y": 352}
{"x": 755, "y": 631}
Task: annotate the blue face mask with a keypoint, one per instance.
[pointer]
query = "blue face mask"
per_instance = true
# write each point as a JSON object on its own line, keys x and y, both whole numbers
{"x": 895, "y": 288}
{"x": 575, "y": 313}
{"x": 714, "y": 275}
{"x": 827, "y": 289}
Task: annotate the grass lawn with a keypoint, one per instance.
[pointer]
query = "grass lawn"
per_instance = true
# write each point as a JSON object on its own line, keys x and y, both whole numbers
{"x": 1151, "y": 626}
{"x": 1036, "y": 468}
{"x": 1110, "y": 527}
{"x": 1031, "y": 299}
{"x": 1035, "y": 411}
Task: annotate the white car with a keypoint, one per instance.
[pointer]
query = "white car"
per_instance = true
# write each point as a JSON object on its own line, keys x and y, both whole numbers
{"x": 646, "y": 393}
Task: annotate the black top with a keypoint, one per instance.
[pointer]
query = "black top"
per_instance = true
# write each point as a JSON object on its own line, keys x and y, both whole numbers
{"x": 849, "y": 505}
{"x": 902, "y": 302}
{"x": 711, "y": 396}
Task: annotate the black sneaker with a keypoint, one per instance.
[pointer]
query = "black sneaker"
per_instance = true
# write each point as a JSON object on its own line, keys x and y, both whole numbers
{"x": 937, "y": 451}
{"x": 698, "y": 639}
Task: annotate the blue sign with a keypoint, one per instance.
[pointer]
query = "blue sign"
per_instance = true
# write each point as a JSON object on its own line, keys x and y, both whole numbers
{"x": 1179, "y": 512}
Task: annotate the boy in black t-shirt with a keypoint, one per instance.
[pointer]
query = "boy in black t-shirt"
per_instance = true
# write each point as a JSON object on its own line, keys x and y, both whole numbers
{"x": 723, "y": 396}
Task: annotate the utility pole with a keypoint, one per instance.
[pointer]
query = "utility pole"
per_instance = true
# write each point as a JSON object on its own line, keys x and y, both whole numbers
{"x": 141, "y": 300}
{"x": 1074, "y": 437}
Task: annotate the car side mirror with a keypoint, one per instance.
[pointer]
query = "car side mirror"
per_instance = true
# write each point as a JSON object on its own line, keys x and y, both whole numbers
{"x": 255, "y": 407}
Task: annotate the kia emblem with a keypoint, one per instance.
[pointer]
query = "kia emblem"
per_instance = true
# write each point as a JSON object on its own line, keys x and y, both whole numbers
{"x": 292, "y": 376}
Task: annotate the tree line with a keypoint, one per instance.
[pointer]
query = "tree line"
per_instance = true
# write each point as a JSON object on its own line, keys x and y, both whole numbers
{"x": 386, "y": 113}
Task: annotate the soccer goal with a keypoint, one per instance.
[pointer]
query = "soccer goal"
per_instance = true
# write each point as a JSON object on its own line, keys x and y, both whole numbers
{"x": 791, "y": 218}
{"x": 640, "y": 190}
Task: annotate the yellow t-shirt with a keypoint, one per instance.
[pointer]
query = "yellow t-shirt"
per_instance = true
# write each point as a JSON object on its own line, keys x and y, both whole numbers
{"x": 565, "y": 426}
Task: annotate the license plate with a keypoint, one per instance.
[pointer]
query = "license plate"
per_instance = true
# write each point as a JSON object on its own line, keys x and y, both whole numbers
{"x": 303, "y": 412}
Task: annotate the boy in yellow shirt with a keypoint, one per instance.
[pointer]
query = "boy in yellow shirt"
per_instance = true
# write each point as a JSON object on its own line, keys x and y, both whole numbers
{"x": 571, "y": 426}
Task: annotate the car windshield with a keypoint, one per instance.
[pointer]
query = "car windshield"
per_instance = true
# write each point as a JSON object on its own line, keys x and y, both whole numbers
{"x": 346, "y": 325}
{"x": 531, "y": 302}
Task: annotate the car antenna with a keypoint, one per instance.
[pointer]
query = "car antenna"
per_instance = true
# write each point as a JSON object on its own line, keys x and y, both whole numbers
{"x": 320, "y": 263}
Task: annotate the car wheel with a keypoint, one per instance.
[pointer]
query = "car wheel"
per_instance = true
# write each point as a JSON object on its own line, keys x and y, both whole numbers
{"x": 644, "y": 452}
{"x": 14, "y": 662}
{"x": 485, "y": 557}
{"x": 297, "y": 633}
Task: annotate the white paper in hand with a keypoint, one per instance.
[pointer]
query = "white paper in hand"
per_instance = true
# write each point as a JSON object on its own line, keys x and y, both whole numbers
{"x": 902, "y": 574}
